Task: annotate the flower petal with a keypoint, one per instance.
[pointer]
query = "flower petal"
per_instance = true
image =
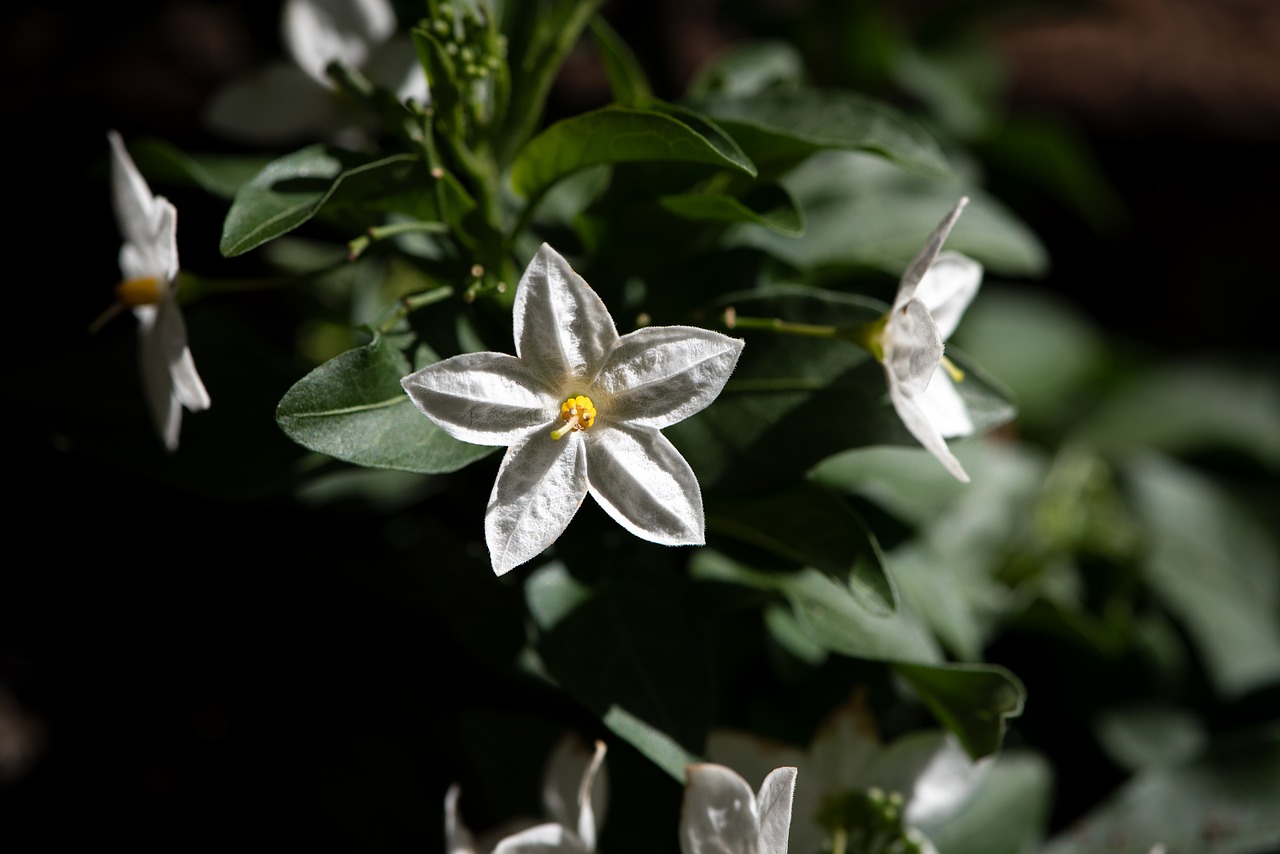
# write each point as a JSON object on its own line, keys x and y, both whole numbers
{"x": 278, "y": 104}
{"x": 943, "y": 406}
{"x": 774, "y": 803}
{"x": 540, "y": 485}
{"x": 574, "y": 786}
{"x": 457, "y": 839}
{"x": 917, "y": 421}
{"x": 947, "y": 288}
{"x": 148, "y": 223}
{"x": 562, "y": 329}
{"x": 643, "y": 482}
{"x": 918, "y": 267}
{"x": 587, "y": 820}
{"x": 912, "y": 348}
{"x": 316, "y": 32}
{"x": 169, "y": 374}
{"x": 659, "y": 375}
{"x": 396, "y": 66}
{"x": 542, "y": 839}
{"x": 482, "y": 398}
{"x": 719, "y": 814}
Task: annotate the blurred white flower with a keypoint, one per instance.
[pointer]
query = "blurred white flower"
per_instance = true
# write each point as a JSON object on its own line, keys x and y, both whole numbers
{"x": 149, "y": 264}
{"x": 580, "y": 409}
{"x": 721, "y": 815}
{"x": 289, "y": 101}
{"x": 573, "y": 796}
{"x": 926, "y": 775}
{"x": 932, "y": 295}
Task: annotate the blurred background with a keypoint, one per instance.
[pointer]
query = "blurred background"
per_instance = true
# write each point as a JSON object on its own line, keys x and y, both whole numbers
{"x": 200, "y": 668}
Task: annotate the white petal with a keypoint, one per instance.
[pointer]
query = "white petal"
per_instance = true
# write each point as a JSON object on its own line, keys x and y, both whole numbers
{"x": 540, "y": 485}
{"x": 718, "y": 815}
{"x": 571, "y": 771}
{"x": 149, "y": 223}
{"x": 168, "y": 372}
{"x": 278, "y": 104}
{"x": 316, "y": 32}
{"x": 542, "y": 839}
{"x": 483, "y": 398}
{"x": 663, "y": 374}
{"x": 562, "y": 329}
{"x": 774, "y": 803}
{"x": 396, "y": 66}
{"x": 457, "y": 839}
{"x": 947, "y": 289}
{"x": 587, "y": 819}
{"x": 755, "y": 758}
{"x": 922, "y": 428}
{"x": 943, "y": 406}
{"x": 918, "y": 267}
{"x": 643, "y": 482}
{"x": 912, "y": 347}
{"x": 947, "y": 780}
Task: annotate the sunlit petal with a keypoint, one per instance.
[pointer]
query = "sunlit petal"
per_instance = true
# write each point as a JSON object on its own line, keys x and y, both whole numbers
{"x": 719, "y": 813}
{"x": 539, "y": 487}
{"x": 947, "y": 288}
{"x": 643, "y": 482}
{"x": 483, "y": 398}
{"x": 317, "y": 32}
{"x": 920, "y": 265}
{"x": 917, "y": 421}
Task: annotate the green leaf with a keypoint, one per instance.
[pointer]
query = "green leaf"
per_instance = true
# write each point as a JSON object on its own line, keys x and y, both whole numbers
{"x": 971, "y": 700}
{"x": 782, "y": 128}
{"x": 626, "y": 76}
{"x": 1007, "y": 813}
{"x": 1149, "y": 735}
{"x": 293, "y": 188}
{"x": 814, "y": 527}
{"x": 749, "y": 69}
{"x": 864, "y": 211}
{"x": 353, "y": 408}
{"x": 619, "y": 135}
{"x": 1224, "y": 801}
{"x": 219, "y": 174}
{"x": 1214, "y": 568}
{"x": 657, "y": 746}
{"x": 769, "y": 206}
{"x": 827, "y": 611}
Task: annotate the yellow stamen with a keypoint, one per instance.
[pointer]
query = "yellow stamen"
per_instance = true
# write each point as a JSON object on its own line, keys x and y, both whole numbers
{"x": 956, "y": 374}
{"x": 136, "y": 292}
{"x": 577, "y": 413}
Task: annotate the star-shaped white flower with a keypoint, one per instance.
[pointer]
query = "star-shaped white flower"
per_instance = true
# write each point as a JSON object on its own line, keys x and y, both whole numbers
{"x": 927, "y": 770}
{"x": 289, "y": 100}
{"x": 932, "y": 295}
{"x": 580, "y": 408}
{"x": 149, "y": 264}
{"x": 573, "y": 794}
{"x": 721, "y": 815}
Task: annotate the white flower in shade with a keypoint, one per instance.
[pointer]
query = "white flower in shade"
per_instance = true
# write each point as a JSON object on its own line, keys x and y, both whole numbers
{"x": 580, "y": 408}
{"x": 721, "y": 815}
{"x": 149, "y": 264}
{"x": 932, "y": 295}
{"x": 573, "y": 795}
{"x": 922, "y": 778}
{"x": 286, "y": 101}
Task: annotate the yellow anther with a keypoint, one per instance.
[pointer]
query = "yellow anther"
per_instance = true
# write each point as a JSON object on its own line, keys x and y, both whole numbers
{"x": 950, "y": 367}
{"x": 144, "y": 291}
{"x": 577, "y": 413}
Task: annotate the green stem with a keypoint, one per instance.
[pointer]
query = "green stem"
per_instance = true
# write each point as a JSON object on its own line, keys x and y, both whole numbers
{"x": 357, "y": 246}
{"x": 777, "y": 324}
{"x": 411, "y": 303}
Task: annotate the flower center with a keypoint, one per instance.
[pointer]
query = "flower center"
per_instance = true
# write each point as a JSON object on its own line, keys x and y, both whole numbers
{"x": 136, "y": 292}
{"x": 577, "y": 413}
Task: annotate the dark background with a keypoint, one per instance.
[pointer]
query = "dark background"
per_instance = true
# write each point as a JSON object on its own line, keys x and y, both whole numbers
{"x": 199, "y": 670}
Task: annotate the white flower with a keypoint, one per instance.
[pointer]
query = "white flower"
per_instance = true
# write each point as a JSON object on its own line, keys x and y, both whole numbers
{"x": 580, "y": 408}
{"x": 573, "y": 794}
{"x": 290, "y": 100}
{"x": 932, "y": 295}
{"x": 931, "y": 774}
{"x": 721, "y": 815}
{"x": 149, "y": 264}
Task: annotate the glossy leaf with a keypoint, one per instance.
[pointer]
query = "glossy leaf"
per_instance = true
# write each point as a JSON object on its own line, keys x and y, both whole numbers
{"x": 353, "y": 408}
{"x": 769, "y": 206}
{"x": 293, "y": 188}
{"x": 219, "y": 174}
{"x": 619, "y": 135}
{"x": 788, "y": 126}
{"x": 815, "y": 528}
{"x": 626, "y": 75}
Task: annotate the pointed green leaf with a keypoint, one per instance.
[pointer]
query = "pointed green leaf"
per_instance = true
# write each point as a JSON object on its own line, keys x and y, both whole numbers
{"x": 971, "y": 700}
{"x": 769, "y": 206}
{"x": 661, "y": 749}
{"x": 353, "y": 408}
{"x": 219, "y": 174}
{"x": 293, "y": 188}
{"x": 814, "y": 527}
{"x": 626, "y": 76}
{"x": 782, "y": 128}
{"x": 619, "y": 135}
